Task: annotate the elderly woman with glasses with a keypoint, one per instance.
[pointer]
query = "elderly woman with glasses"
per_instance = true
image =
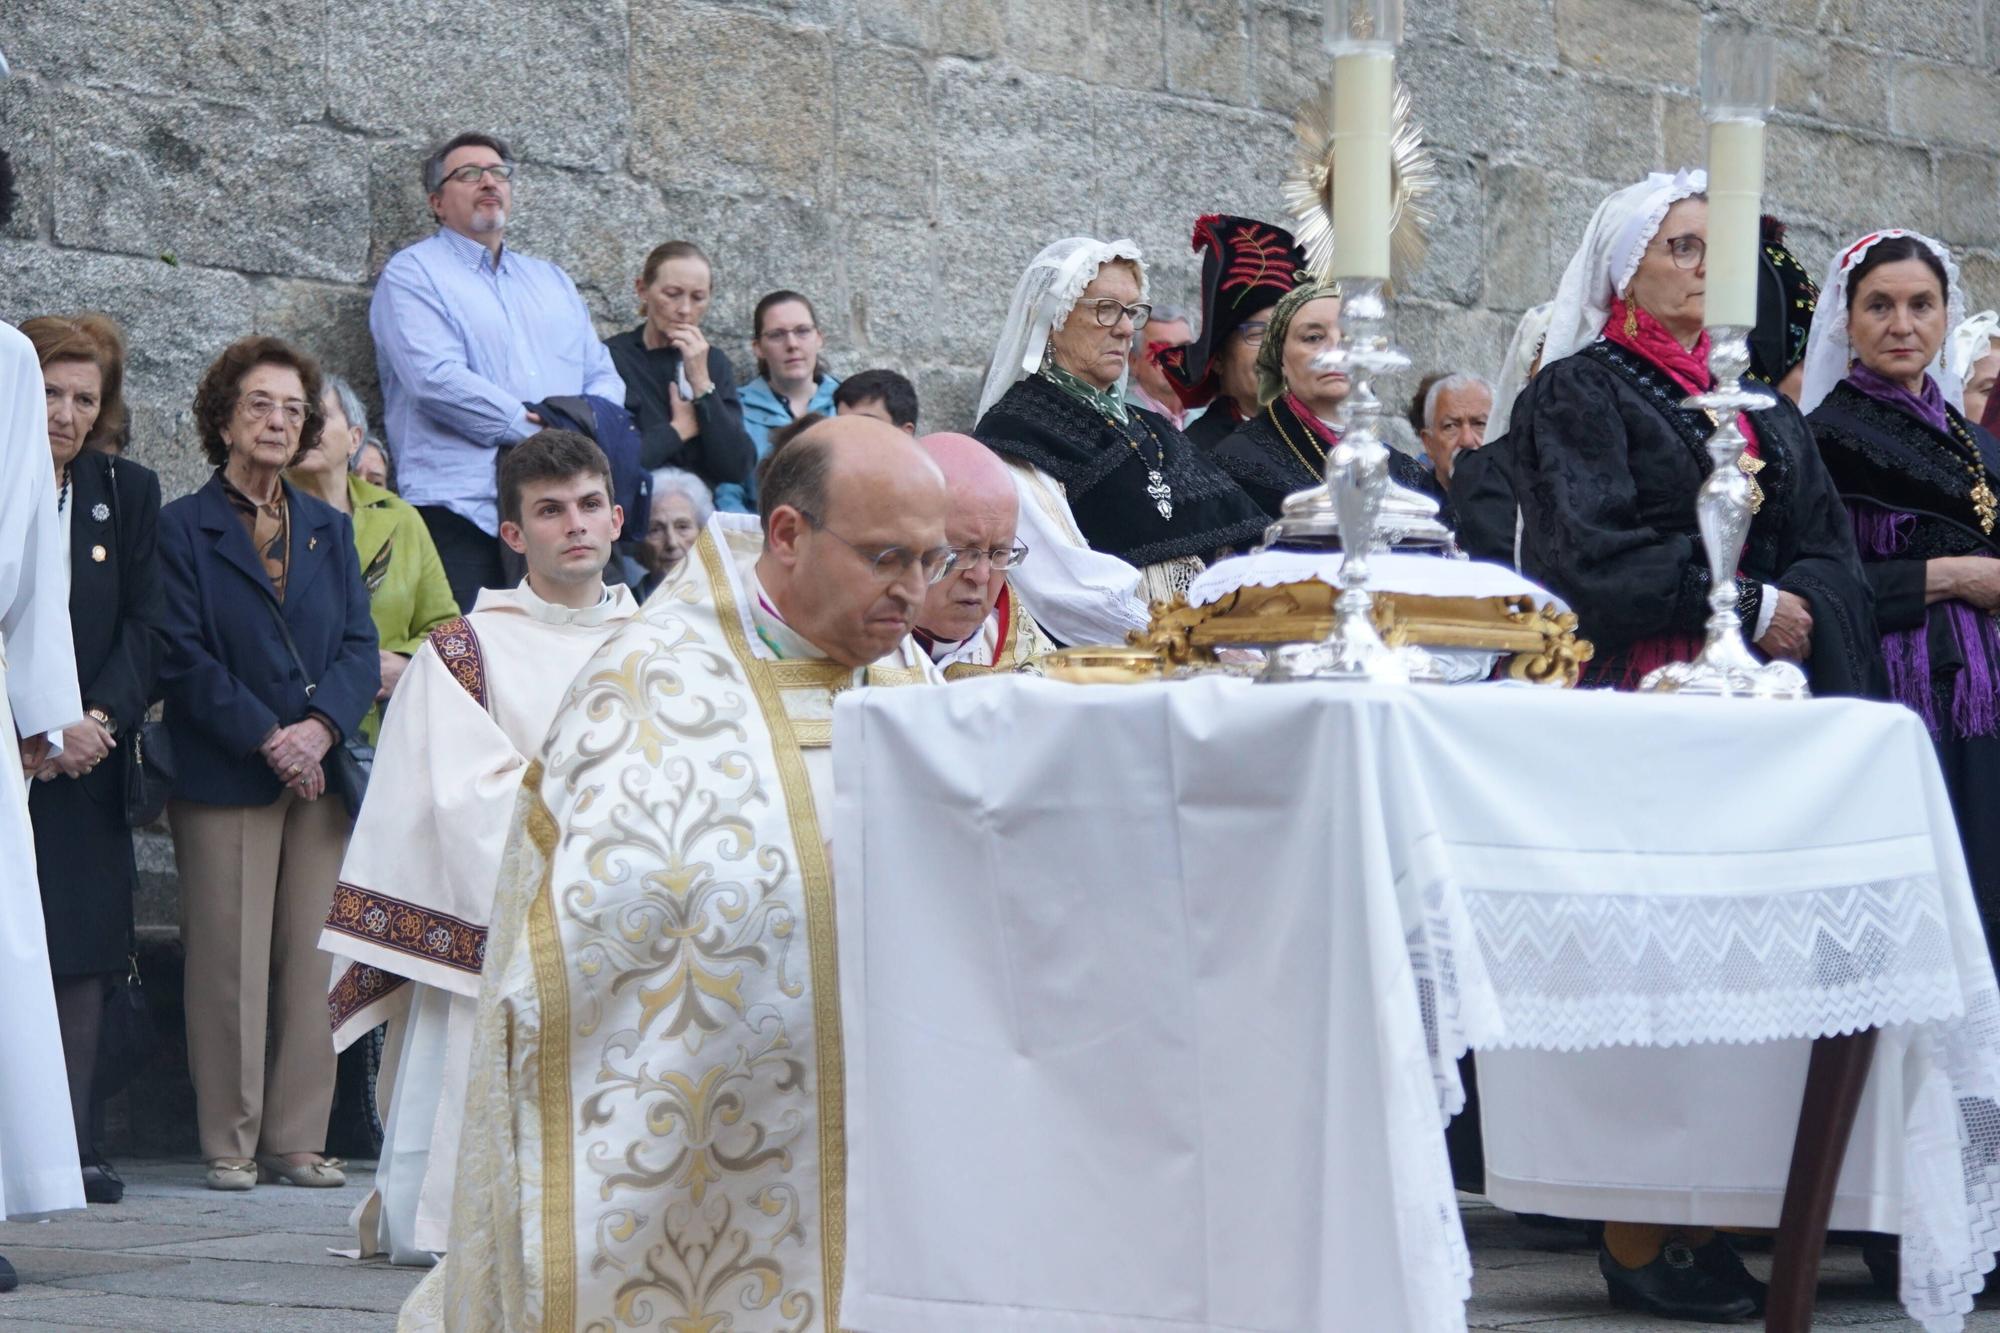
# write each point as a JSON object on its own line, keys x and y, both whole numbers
{"x": 1098, "y": 476}
{"x": 271, "y": 663}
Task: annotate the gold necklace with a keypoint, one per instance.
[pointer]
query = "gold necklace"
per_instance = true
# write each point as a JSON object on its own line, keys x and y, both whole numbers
{"x": 1985, "y": 505}
{"x": 1320, "y": 471}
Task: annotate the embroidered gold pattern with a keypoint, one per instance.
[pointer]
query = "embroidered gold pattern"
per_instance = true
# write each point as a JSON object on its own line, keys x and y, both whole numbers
{"x": 407, "y": 928}
{"x": 457, "y": 646}
{"x": 359, "y": 986}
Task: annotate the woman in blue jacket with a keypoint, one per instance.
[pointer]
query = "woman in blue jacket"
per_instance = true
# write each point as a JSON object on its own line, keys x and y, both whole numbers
{"x": 791, "y": 379}
{"x": 270, "y": 664}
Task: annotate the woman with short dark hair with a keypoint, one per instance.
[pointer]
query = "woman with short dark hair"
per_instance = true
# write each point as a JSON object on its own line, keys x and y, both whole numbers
{"x": 110, "y": 509}
{"x": 271, "y": 663}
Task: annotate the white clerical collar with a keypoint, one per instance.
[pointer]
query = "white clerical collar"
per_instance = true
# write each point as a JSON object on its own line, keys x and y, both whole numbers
{"x": 615, "y": 604}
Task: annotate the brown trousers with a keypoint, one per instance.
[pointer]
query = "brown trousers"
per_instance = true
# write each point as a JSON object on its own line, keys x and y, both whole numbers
{"x": 256, "y": 885}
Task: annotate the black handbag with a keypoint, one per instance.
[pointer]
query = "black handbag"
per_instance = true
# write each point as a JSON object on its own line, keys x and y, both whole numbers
{"x": 148, "y": 754}
{"x": 348, "y": 763}
{"x": 128, "y": 1038}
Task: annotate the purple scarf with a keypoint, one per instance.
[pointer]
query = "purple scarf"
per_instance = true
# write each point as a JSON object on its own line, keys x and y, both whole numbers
{"x": 1975, "y": 691}
{"x": 1927, "y": 407}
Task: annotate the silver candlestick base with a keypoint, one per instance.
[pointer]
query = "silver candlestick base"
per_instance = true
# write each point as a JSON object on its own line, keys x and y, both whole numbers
{"x": 1725, "y": 666}
{"x": 1357, "y": 476}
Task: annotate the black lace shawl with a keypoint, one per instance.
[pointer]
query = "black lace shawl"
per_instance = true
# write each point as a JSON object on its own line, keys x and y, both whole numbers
{"x": 1606, "y": 463}
{"x": 1268, "y": 470}
{"x": 1105, "y": 476}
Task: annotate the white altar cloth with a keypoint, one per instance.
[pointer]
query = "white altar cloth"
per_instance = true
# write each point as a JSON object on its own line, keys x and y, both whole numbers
{"x": 1151, "y": 993}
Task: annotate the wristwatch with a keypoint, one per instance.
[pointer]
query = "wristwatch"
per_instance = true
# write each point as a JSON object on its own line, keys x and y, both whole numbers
{"x": 102, "y": 718}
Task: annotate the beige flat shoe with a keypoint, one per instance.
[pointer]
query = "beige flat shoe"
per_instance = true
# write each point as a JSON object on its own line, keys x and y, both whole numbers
{"x": 232, "y": 1173}
{"x": 324, "y": 1174}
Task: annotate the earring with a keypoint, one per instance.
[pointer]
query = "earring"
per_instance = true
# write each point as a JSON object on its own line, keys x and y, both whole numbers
{"x": 1631, "y": 319}
{"x": 1048, "y": 353}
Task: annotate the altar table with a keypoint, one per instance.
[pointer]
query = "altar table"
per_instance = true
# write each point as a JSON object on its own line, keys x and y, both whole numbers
{"x": 1152, "y": 994}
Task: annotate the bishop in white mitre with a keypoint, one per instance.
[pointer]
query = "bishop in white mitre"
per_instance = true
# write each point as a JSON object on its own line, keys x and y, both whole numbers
{"x": 972, "y": 623}
{"x": 39, "y": 1172}
{"x": 653, "y": 1131}
{"x": 409, "y": 919}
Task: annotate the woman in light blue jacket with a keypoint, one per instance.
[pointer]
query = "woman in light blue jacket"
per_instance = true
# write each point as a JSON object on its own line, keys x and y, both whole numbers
{"x": 791, "y": 380}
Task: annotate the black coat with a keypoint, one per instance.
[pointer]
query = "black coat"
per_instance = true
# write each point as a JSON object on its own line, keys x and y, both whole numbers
{"x": 722, "y": 452}
{"x": 228, "y": 677}
{"x": 1606, "y": 466}
{"x": 83, "y": 849}
{"x": 1274, "y": 454}
{"x": 1482, "y": 501}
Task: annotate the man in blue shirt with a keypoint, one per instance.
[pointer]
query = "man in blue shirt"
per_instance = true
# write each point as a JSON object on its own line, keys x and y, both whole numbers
{"x": 467, "y": 333}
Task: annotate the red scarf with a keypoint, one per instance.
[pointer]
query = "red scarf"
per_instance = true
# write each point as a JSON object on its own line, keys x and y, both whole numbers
{"x": 1685, "y": 366}
{"x": 1328, "y": 436}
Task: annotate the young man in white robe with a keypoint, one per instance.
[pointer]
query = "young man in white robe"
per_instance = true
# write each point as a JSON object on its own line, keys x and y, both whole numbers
{"x": 39, "y": 1172}
{"x": 972, "y": 624}
{"x": 408, "y": 925}
{"x": 653, "y": 1131}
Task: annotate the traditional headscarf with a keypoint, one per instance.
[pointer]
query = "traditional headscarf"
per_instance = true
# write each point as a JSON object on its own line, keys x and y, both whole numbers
{"x": 1518, "y": 367}
{"x": 1043, "y": 299}
{"x": 1969, "y": 342}
{"x": 1246, "y": 265}
{"x": 1828, "y": 351}
{"x": 1602, "y": 267}
{"x": 1271, "y": 354}
{"x": 1786, "y": 297}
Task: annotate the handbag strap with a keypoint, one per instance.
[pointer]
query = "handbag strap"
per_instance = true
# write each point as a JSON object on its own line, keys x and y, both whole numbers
{"x": 290, "y": 646}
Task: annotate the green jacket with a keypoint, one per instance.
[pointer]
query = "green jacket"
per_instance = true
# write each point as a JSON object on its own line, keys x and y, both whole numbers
{"x": 408, "y": 595}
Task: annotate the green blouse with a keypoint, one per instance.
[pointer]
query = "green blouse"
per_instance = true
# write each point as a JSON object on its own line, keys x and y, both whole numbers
{"x": 408, "y": 594}
{"x": 1098, "y": 400}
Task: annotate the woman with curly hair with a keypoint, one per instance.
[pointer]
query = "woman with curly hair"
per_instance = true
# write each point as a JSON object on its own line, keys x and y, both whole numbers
{"x": 271, "y": 663}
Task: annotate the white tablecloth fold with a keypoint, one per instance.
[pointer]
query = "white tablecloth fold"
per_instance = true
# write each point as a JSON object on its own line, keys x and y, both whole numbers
{"x": 1152, "y": 995}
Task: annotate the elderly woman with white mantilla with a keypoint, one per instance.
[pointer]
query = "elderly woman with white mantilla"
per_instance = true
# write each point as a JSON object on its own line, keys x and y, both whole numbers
{"x": 1098, "y": 475}
{"x": 1607, "y": 462}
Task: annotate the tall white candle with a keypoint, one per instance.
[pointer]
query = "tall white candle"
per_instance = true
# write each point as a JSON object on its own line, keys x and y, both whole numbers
{"x": 1363, "y": 84}
{"x": 1735, "y": 204}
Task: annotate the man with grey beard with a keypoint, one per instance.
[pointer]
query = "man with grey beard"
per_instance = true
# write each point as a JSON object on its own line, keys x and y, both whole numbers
{"x": 466, "y": 332}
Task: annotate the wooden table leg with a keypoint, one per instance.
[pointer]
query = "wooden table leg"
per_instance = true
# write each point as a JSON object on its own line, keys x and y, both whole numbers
{"x": 1834, "y": 1080}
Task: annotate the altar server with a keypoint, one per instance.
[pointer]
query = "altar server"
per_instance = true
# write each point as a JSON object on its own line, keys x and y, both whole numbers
{"x": 972, "y": 624}
{"x": 654, "y": 1121}
{"x": 39, "y": 1172}
{"x": 409, "y": 919}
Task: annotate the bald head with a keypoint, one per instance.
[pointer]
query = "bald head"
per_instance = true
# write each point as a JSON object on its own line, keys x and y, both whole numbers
{"x": 982, "y": 517}
{"x": 839, "y": 495}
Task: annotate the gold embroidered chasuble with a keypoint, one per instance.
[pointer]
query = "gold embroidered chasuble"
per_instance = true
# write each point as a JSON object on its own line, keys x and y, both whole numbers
{"x": 653, "y": 1128}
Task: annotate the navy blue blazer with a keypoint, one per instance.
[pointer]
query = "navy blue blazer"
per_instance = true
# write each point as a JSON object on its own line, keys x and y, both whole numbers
{"x": 228, "y": 678}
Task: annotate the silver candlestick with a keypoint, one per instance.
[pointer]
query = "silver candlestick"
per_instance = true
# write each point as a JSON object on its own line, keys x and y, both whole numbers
{"x": 1357, "y": 476}
{"x": 1725, "y": 666}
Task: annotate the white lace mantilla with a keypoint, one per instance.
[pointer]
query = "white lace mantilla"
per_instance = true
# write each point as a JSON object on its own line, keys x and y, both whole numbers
{"x": 1389, "y": 571}
{"x": 1567, "y": 971}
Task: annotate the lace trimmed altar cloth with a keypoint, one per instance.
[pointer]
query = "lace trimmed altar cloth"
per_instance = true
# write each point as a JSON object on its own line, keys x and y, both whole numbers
{"x": 1153, "y": 993}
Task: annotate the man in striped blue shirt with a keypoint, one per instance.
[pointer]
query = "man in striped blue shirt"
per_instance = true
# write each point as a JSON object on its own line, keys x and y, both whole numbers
{"x": 467, "y": 334}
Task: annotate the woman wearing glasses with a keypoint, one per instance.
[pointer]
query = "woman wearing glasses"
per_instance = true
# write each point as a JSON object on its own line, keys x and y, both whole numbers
{"x": 1607, "y": 463}
{"x": 791, "y": 379}
{"x": 1098, "y": 476}
{"x": 271, "y": 663}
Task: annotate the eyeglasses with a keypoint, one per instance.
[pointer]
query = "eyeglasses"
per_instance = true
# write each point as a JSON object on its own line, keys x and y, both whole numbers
{"x": 966, "y": 558}
{"x": 470, "y": 175}
{"x": 1687, "y": 251}
{"x": 258, "y": 407}
{"x": 797, "y": 334}
{"x": 890, "y": 564}
{"x": 1253, "y": 334}
{"x": 1109, "y": 312}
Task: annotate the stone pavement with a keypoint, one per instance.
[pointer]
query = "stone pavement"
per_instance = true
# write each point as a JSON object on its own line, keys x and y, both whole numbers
{"x": 175, "y": 1256}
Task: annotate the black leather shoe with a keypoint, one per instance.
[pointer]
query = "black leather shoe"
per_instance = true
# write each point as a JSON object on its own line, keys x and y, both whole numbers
{"x": 1884, "y": 1257}
{"x": 1720, "y": 1261}
{"x": 101, "y": 1184}
{"x": 9, "y": 1279}
{"x": 1675, "y": 1286}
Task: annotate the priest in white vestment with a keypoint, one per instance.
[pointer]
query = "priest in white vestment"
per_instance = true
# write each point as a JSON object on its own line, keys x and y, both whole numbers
{"x": 408, "y": 924}
{"x": 653, "y": 1129}
{"x": 39, "y": 1171}
{"x": 972, "y": 624}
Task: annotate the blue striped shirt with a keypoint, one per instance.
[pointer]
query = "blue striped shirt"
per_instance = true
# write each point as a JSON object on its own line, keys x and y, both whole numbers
{"x": 461, "y": 345}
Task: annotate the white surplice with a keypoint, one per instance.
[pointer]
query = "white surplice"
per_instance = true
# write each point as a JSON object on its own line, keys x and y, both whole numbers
{"x": 1079, "y": 595}
{"x": 39, "y": 1172}
{"x": 653, "y": 1124}
{"x": 408, "y": 925}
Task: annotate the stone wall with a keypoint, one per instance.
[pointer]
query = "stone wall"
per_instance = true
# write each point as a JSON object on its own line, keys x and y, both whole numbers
{"x": 205, "y": 168}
